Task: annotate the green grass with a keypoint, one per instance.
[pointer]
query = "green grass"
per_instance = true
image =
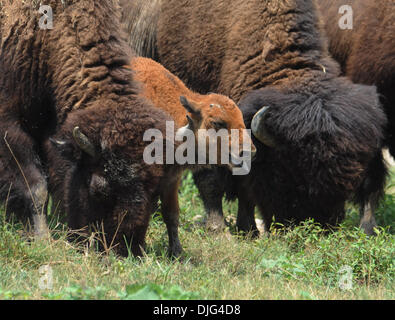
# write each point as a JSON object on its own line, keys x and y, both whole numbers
{"x": 302, "y": 263}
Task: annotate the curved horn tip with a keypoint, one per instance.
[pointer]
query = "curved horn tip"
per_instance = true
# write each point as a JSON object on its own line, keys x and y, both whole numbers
{"x": 259, "y": 130}
{"x": 83, "y": 142}
{"x": 76, "y": 130}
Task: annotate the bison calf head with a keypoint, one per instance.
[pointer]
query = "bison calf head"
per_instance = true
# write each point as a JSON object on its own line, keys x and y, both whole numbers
{"x": 216, "y": 120}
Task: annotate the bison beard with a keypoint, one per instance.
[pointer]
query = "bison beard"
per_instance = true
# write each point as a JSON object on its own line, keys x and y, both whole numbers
{"x": 328, "y": 132}
{"x": 70, "y": 115}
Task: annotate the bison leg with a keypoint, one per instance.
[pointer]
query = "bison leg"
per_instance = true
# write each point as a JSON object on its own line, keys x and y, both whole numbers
{"x": 368, "y": 221}
{"x": 138, "y": 241}
{"x": 245, "y": 216}
{"x": 24, "y": 187}
{"x": 40, "y": 202}
{"x": 211, "y": 191}
{"x": 372, "y": 191}
{"x": 267, "y": 219}
{"x": 170, "y": 213}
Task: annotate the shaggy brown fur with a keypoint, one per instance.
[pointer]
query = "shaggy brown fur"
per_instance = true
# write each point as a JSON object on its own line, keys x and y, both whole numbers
{"x": 237, "y": 46}
{"x": 141, "y": 16}
{"x": 367, "y": 52}
{"x": 328, "y": 130}
{"x": 51, "y": 82}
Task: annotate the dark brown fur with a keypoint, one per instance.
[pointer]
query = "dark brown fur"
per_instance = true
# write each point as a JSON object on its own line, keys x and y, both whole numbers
{"x": 240, "y": 52}
{"x": 52, "y": 81}
{"x": 367, "y": 52}
{"x": 141, "y": 16}
{"x": 328, "y": 131}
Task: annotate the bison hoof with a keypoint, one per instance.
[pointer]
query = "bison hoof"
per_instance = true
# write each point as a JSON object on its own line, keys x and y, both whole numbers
{"x": 175, "y": 252}
{"x": 41, "y": 230}
{"x": 215, "y": 222}
{"x": 368, "y": 228}
{"x": 249, "y": 233}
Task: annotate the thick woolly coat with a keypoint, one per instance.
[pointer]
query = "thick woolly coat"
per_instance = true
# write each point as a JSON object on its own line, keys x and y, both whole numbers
{"x": 329, "y": 131}
{"x": 366, "y": 53}
{"x": 54, "y": 80}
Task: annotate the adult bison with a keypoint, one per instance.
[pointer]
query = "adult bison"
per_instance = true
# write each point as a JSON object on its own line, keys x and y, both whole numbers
{"x": 366, "y": 52}
{"x": 318, "y": 135}
{"x": 70, "y": 111}
{"x": 74, "y": 118}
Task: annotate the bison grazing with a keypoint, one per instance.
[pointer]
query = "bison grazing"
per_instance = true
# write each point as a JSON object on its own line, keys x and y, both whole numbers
{"x": 71, "y": 117}
{"x": 318, "y": 135}
{"x": 367, "y": 51}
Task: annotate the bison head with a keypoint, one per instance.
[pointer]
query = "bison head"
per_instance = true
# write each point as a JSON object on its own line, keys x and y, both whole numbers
{"x": 219, "y": 114}
{"x": 315, "y": 144}
{"x": 98, "y": 176}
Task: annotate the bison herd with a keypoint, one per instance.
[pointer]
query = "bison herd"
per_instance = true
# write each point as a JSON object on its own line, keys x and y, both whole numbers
{"x": 77, "y": 99}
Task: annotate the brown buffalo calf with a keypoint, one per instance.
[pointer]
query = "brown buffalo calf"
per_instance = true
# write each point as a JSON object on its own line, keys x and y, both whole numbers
{"x": 189, "y": 110}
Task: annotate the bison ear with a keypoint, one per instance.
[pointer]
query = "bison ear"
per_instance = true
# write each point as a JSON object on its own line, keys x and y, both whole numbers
{"x": 190, "y": 106}
{"x": 193, "y": 124}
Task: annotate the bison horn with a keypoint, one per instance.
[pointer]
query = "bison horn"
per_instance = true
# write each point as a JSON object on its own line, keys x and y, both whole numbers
{"x": 259, "y": 130}
{"x": 56, "y": 142}
{"x": 83, "y": 142}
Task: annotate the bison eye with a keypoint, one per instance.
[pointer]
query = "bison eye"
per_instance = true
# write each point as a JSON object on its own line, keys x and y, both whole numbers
{"x": 220, "y": 124}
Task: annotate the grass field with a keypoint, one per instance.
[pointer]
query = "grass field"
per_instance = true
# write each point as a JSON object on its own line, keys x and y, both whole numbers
{"x": 303, "y": 263}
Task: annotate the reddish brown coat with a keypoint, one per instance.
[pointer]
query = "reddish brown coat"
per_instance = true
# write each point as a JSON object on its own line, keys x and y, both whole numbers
{"x": 164, "y": 89}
